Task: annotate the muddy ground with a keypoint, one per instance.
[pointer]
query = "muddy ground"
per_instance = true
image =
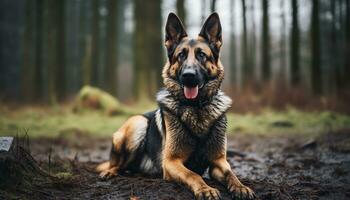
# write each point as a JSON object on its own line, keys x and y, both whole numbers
{"x": 276, "y": 167}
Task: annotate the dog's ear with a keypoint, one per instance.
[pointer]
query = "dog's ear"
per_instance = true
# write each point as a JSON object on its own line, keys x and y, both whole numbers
{"x": 211, "y": 32}
{"x": 174, "y": 33}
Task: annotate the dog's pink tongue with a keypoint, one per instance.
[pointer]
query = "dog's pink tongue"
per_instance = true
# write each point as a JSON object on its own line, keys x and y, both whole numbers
{"x": 191, "y": 93}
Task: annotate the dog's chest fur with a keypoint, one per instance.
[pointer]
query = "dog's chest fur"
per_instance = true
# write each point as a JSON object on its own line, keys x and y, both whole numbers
{"x": 202, "y": 129}
{"x": 198, "y": 119}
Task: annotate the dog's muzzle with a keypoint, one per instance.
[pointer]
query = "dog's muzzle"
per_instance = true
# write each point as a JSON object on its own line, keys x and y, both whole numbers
{"x": 190, "y": 80}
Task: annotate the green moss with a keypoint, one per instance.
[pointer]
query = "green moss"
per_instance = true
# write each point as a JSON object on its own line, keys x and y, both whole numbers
{"x": 95, "y": 98}
{"x": 64, "y": 175}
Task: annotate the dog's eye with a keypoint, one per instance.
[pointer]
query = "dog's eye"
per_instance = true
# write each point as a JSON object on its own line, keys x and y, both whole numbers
{"x": 181, "y": 56}
{"x": 201, "y": 55}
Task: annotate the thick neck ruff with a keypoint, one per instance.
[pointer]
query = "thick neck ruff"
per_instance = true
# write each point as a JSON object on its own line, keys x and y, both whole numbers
{"x": 198, "y": 119}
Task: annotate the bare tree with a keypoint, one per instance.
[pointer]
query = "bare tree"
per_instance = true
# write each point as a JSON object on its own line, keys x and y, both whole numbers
{"x": 283, "y": 64}
{"x": 265, "y": 42}
{"x": 28, "y": 70}
{"x": 233, "y": 45}
{"x": 147, "y": 35}
{"x": 347, "y": 42}
{"x": 252, "y": 45}
{"x": 294, "y": 44}
{"x": 247, "y": 71}
{"x": 203, "y": 10}
{"x": 95, "y": 33}
{"x": 51, "y": 30}
{"x": 213, "y": 6}
{"x": 316, "y": 76}
{"x": 111, "y": 54}
{"x": 61, "y": 56}
{"x": 181, "y": 11}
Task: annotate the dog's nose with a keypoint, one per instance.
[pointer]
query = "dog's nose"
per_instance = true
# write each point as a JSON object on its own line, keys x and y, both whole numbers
{"x": 189, "y": 73}
{"x": 189, "y": 77}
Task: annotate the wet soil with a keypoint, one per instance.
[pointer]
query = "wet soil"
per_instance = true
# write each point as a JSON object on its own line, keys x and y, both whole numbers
{"x": 276, "y": 167}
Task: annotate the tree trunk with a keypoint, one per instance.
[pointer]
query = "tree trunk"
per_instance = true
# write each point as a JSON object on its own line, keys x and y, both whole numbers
{"x": 111, "y": 54}
{"x": 233, "y": 74}
{"x": 181, "y": 11}
{"x": 61, "y": 51}
{"x": 347, "y": 43}
{"x": 95, "y": 43}
{"x": 51, "y": 42}
{"x": 213, "y": 6}
{"x": 28, "y": 72}
{"x": 39, "y": 50}
{"x": 203, "y": 11}
{"x": 31, "y": 78}
{"x": 147, "y": 35}
{"x": 294, "y": 43}
{"x": 247, "y": 71}
{"x": 283, "y": 63}
{"x": 316, "y": 76}
{"x": 140, "y": 57}
{"x": 84, "y": 44}
{"x": 156, "y": 56}
{"x": 265, "y": 42}
{"x": 334, "y": 62}
{"x": 252, "y": 46}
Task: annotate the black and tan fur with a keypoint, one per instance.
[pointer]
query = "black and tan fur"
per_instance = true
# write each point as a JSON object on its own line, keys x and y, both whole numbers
{"x": 182, "y": 138}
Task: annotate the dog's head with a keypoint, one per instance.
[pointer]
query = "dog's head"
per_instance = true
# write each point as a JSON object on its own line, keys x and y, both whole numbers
{"x": 193, "y": 71}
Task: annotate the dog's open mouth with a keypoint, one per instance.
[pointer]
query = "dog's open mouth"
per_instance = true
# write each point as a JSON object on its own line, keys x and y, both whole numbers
{"x": 191, "y": 92}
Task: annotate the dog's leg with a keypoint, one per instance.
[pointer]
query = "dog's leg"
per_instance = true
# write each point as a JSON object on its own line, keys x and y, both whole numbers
{"x": 174, "y": 170}
{"x": 176, "y": 152}
{"x": 221, "y": 171}
{"x": 124, "y": 145}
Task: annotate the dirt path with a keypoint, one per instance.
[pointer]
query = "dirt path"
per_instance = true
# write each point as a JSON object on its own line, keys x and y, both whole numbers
{"x": 279, "y": 167}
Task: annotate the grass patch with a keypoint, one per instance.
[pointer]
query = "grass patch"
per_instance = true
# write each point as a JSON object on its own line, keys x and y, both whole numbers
{"x": 291, "y": 121}
{"x": 61, "y": 121}
{"x": 53, "y": 123}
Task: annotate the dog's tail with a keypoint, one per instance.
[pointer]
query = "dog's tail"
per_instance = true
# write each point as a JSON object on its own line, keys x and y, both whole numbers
{"x": 103, "y": 166}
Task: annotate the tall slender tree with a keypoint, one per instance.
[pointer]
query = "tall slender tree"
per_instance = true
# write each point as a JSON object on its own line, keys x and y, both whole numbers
{"x": 111, "y": 54}
{"x": 140, "y": 70}
{"x": 156, "y": 56}
{"x": 147, "y": 35}
{"x": 247, "y": 71}
{"x": 334, "y": 61}
{"x": 294, "y": 44}
{"x": 203, "y": 10}
{"x": 252, "y": 45}
{"x": 28, "y": 70}
{"x": 283, "y": 40}
{"x": 51, "y": 42}
{"x": 61, "y": 56}
{"x": 39, "y": 48}
{"x": 265, "y": 42}
{"x": 233, "y": 45}
{"x": 95, "y": 34}
{"x": 86, "y": 44}
{"x": 347, "y": 42}
{"x": 316, "y": 76}
{"x": 213, "y": 6}
{"x": 181, "y": 11}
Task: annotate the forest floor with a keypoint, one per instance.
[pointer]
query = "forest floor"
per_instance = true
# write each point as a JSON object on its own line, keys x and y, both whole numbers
{"x": 281, "y": 155}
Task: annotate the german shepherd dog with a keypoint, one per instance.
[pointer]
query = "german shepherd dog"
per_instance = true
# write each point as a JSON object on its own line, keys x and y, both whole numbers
{"x": 186, "y": 135}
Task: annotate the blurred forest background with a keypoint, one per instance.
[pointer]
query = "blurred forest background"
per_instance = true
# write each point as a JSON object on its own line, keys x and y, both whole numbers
{"x": 276, "y": 52}
{"x": 287, "y": 68}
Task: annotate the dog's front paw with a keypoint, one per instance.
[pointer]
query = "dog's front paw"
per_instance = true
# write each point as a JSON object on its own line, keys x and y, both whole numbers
{"x": 207, "y": 193}
{"x": 241, "y": 192}
{"x": 106, "y": 174}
